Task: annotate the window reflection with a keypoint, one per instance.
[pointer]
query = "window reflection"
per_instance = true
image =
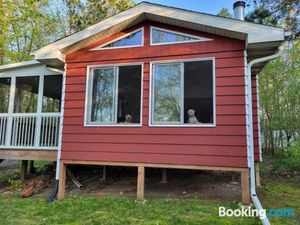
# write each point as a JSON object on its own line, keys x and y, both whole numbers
{"x": 183, "y": 96}
{"x": 167, "y": 92}
{"x": 116, "y": 95}
{"x": 52, "y": 93}
{"x": 26, "y": 95}
{"x": 162, "y": 36}
{"x": 103, "y": 95}
{"x": 4, "y": 94}
{"x": 134, "y": 39}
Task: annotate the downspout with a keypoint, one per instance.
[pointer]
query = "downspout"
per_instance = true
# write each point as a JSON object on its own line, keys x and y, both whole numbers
{"x": 56, "y": 182}
{"x": 255, "y": 199}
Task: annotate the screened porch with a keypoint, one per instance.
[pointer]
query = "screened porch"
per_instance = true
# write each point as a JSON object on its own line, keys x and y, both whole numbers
{"x": 30, "y": 109}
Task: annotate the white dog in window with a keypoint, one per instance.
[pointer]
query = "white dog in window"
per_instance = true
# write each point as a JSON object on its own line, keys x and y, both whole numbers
{"x": 128, "y": 118}
{"x": 192, "y": 116}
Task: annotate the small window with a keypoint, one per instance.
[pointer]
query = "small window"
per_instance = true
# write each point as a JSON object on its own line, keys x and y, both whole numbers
{"x": 115, "y": 95}
{"x": 183, "y": 93}
{"x": 4, "y": 94}
{"x": 162, "y": 36}
{"x": 133, "y": 39}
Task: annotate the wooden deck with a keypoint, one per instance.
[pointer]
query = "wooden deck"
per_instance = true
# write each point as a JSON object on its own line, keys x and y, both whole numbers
{"x": 17, "y": 154}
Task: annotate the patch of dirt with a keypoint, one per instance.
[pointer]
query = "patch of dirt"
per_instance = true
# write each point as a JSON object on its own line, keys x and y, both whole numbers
{"x": 122, "y": 182}
{"x": 181, "y": 184}
{"x": 36, "y": 183}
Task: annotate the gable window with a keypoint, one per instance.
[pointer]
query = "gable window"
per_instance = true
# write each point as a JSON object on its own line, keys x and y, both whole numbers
{"x": 182, "y": 93}
{"x": 132, "y": 39}
{"x": 161, "y": 36}
{"x": 114, "y": 95}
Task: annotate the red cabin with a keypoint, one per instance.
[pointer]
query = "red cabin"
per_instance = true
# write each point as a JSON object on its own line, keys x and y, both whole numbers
{"x": 161, "y": 87}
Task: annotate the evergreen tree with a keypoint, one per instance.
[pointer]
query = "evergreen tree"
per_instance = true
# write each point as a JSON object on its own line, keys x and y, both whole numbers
{"x": 224, "y": 12}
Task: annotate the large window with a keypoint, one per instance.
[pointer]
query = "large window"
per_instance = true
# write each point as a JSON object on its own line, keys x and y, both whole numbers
{"x": 183, "y": 93}
{"x": 114, "y": 95}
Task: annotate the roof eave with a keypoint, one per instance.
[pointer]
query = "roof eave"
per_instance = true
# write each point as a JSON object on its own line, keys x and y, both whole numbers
{"x": 252, "y": 33}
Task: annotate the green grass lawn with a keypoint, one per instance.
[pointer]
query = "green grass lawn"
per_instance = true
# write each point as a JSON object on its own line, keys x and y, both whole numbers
{"x": 108, "y": 210}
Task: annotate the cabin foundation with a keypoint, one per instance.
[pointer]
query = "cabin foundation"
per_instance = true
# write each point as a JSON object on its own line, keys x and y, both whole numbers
{"x": 62, "y": 181}
{"x": 164, "y": 176}
{"x": 140, "y": 183}
{"x": 104, "y": 173}
{"x": 245, "y": 188}
{"x": 257, "y": 175}
{"x": 23, "y": 170}
{"x": 31, "y": 167}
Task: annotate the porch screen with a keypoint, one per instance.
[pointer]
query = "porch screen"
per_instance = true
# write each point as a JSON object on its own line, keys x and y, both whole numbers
{"x": 26, "y": 95}
{"x": 52, "y": 93}
{"x": 4, "y": 94}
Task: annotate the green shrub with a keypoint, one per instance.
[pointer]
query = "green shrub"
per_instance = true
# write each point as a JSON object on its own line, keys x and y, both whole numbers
{"x": 289, "y": 160}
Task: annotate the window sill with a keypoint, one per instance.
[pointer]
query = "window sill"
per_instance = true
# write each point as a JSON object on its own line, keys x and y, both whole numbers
{"x": 113, "y": 125}
{"x": 182, "y": 125}
{"x": 120, "y": 47}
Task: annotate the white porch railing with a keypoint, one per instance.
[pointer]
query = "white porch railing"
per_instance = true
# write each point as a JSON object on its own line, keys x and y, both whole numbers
{"x": 3, "y": 126}
{"x": 29, "y": 130}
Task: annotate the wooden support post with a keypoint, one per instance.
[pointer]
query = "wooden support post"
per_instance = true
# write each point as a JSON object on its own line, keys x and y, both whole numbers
{"x": 245, "y": 187}
{"x": 164, "y": 176}
{"x": 23, "y": 171}
{"x": 104, "y": 173}
{"x": 62, "y": 180}
{"x": 141, "y": 183}
{"x": 31, "y": 167}
{"x": 233, "y": 176}
{"x": 257, "y": 175}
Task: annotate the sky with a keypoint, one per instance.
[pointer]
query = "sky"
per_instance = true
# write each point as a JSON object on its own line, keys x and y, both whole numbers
{"x": 205, "y": 6}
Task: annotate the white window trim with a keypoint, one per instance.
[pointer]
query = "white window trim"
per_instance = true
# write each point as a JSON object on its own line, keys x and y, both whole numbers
{"x": 101, "y": 47}
{"x": 151, "y": 96}
{"x": 201, "y": 39}
{"x": 88, "y": 96}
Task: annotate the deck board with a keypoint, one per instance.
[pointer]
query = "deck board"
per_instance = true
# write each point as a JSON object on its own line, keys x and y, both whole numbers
{"x": 16, "y": 154}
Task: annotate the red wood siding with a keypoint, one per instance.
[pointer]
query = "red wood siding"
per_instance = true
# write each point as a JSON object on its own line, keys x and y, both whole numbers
{"x": 223, "y": 145}
{"x": 255, "y": 119}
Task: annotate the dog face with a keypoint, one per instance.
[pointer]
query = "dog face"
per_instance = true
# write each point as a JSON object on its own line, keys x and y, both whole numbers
{"x": 191, "y": 112}
{"x": 128, "y": 118}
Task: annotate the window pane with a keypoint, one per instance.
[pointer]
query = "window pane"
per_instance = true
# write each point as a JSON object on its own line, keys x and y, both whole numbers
{"x": 134, "y": 39}
{"x": 198, "y": 91}
{"x": 129, "y": 94}
{"x": 4, "y": 94}
{"x": 167, "y": 93}
{"x": 26, "y": 96}
{"x": 160, "y": 36}
{"x": 52, "y": 93}
{"x": 103, "y": 95}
